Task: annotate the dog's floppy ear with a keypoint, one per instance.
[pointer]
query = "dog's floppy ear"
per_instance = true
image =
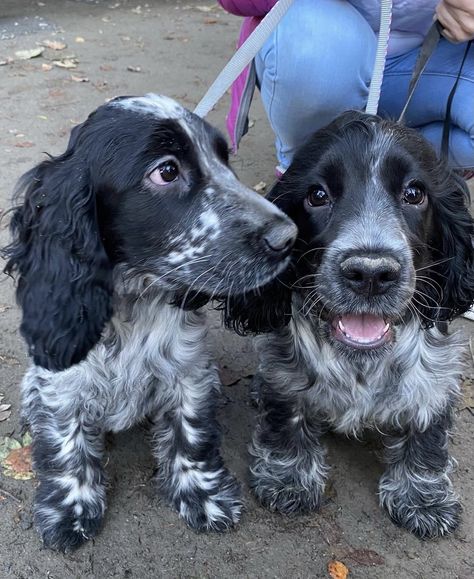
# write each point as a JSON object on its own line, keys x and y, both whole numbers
{"x": 452, "y": 240}
{"x": 64, "y": 278}
{"x": 263, "y": 310}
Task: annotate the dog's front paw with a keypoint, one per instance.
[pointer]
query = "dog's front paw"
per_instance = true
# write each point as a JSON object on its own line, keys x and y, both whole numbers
{"x": 286, "y": 490}
{"x": 64, "y": 521}
{"x": 426, "y": 510}
{"x": 214, "y": 504}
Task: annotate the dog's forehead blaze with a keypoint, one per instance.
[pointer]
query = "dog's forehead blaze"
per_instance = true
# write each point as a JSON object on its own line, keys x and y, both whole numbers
{"x": 154, "y": 104}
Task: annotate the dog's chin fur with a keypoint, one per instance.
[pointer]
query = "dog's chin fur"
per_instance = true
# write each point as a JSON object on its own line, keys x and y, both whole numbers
{"x": 387, "y": 199}
{"x": 116, "y": 243}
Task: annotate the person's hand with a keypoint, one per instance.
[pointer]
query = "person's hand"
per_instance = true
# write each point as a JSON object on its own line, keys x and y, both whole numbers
{"x": 457, "y": 19}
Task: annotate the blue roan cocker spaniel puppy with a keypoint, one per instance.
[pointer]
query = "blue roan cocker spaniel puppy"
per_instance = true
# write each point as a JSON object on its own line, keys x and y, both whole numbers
{"x": 358, "y": 322}
{"x": 118, "y": 241}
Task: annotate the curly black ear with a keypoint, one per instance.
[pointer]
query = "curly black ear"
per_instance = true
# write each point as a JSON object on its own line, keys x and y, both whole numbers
{"x": 64, "y": 277}
{"x": 263, "y": 310}
{"x": 453, "y": 257}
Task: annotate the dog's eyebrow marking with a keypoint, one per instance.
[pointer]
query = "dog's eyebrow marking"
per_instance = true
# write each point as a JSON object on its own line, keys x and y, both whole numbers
{"x": 154, "y": 104}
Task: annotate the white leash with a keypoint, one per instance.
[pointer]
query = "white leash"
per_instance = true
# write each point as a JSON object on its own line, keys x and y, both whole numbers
{"x": 380, "y": 58}
{"x": 244, "y": 55}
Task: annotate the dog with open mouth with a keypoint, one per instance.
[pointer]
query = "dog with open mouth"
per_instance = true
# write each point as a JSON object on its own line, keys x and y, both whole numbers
{"x": 357, "y": 326}
{"x": 116, "y": 245}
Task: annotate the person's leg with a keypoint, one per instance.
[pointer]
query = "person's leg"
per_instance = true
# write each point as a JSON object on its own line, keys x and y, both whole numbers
{"x": 428, "y": 106}
{"x": 315, "y": 65}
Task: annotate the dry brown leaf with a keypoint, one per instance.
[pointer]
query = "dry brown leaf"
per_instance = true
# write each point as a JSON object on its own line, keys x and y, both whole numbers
{"x": 31, "y": 53}
{"x": 46, "y": 67}
{"x": 54, "y": 44}
{"x": 210, "y": 21}
{"x": 24, "y": 145}
{"x": 79, "y": 78}
{"x": 365, "y": 557}
{"x": 66, "y": 63}
{"x": 467, "y": 389}
{"x": 337, "y": 570}
{"x": 15, "y": 457}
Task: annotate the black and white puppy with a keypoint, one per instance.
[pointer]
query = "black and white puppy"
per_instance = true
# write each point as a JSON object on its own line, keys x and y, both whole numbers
{"x": 384, "y": 255}
{"x": 116, "y": 244}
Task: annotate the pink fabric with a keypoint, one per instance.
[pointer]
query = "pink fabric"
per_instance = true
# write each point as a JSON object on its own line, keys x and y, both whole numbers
{"x": 238, "y": 85}
{"x": 248, "y": 7}
{"x": 253, "y": 11}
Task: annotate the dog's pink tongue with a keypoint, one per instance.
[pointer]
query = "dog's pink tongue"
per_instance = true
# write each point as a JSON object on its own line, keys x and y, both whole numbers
{"x": 363, "y": 327}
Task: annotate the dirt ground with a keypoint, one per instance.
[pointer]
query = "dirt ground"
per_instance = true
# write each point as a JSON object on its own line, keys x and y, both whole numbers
{"x": 177, "y": 48}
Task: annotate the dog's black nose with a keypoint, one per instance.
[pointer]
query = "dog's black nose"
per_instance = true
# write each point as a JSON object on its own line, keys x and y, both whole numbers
{"x": 370, "y": 275}
{"x": 281, "y": 237}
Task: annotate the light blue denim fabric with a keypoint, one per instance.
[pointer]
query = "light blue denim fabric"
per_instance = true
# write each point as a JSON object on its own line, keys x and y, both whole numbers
{"x": 318, "y": 63}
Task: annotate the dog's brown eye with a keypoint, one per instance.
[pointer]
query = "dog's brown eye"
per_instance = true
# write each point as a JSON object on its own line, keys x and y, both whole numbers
{"x": 317, "y": 196}
{"x": 414, "y": 193}
{"x": 165, "y": 173}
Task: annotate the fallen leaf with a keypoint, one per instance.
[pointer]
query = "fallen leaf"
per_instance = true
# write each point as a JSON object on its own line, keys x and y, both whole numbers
{"x": 66, "y": 63}
{"x": 259, "y": 187}
{"x": 210, "y": 21}
{"x": 5, "y": 411}
{"x": 337, "y": 570}
{"x": 24, "y": 145}
{"x": 205, "y": 8}
{"x": 54, "y": 44}
{"x": 79, "y": 39}
{"x": 79, "y": 78}
{"x": 15, "y": 457}
{"x": 134, "y": 68}
{"x": 27, "y": 54}
{"x": 46, "y": 67}
{"x": 365, "y": 557}
{"x": 9, "y": 360}
{"x": 467, "y": 389}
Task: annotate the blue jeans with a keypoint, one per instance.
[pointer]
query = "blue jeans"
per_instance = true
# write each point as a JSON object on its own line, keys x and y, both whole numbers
{"x": 318, "y": 63}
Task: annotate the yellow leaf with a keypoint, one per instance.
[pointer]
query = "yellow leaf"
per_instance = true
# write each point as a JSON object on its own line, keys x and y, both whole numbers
{"x": 337, "y": 570}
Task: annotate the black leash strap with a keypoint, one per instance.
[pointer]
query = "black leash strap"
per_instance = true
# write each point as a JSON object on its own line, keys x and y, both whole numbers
{"x": 427, "y": 48}
{"x": 447, "y": 117}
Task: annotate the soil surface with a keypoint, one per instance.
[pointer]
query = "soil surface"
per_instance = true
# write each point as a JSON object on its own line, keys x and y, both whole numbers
{"x": 177, "y": 48}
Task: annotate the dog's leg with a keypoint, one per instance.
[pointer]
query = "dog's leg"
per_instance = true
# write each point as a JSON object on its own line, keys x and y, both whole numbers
{"x": 415, "y": 489}
{"x": 70, "y": 499}
{"x": 288, "y": 472}
{"x": 190, "y": 468}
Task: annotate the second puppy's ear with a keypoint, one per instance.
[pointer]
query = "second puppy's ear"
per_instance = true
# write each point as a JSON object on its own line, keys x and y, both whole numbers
{"x": 64, "y": 277}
